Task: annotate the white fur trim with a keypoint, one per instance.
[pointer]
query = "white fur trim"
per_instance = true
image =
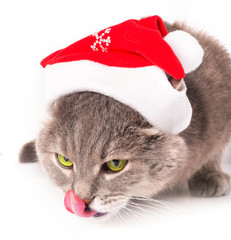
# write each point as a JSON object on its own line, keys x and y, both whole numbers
{"x": 186, "y": 48}
{"x": 146, "y": 89}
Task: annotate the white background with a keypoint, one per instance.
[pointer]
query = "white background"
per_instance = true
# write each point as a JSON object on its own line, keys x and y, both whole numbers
{"x": 31, "y": 207}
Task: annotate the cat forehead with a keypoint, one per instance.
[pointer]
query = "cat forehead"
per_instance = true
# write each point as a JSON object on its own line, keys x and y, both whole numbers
{"x": 86, "y": 107}
{"x": 90, "y": 125}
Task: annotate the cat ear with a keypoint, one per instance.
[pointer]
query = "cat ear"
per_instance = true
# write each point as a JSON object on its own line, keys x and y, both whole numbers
{"x": 28, "y": 153}
{"x": 151, "y": 132}
{"x": 177, "y": 84}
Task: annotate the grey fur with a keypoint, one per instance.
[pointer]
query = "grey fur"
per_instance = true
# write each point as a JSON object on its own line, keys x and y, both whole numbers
{"x": 90, "y": 129}
{"x": 28, "y": 153}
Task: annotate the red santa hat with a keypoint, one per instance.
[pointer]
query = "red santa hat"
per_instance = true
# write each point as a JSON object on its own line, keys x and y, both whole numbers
{"x": 128, "y": 62}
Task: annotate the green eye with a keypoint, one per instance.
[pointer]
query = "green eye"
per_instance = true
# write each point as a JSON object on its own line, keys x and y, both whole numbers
{"x": 116, "y": 165}
{"x": 64, "y": 161}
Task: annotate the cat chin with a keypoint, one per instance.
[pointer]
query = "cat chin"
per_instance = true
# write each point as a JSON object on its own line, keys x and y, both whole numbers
{"x": 105, "y": 217}
{"x": 101, "y": 218}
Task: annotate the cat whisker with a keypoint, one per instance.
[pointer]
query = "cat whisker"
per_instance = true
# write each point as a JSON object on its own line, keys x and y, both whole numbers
{"x": 126, "y": 212}
{"x": 142, "y": 198}
{"x": 154, "y": 207}
{"x": 143, "y": 208}
{"x": 118, "y": 216}
{"x": 160, "y": 203}
{"x": 135, "y": 213}
{"x": 130, "y": 215}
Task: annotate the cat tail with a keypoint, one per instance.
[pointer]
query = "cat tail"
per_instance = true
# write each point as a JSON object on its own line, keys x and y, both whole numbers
{"x": 28, "y": 153}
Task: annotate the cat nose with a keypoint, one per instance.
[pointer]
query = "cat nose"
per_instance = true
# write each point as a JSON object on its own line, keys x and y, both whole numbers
{"x": 87, "y": 201}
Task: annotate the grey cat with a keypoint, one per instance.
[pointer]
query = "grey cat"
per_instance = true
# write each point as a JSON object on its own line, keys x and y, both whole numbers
{"x": 92, "y": 129}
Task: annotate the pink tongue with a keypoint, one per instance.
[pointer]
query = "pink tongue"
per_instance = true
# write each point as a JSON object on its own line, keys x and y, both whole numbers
{"x": 76, "y": 205}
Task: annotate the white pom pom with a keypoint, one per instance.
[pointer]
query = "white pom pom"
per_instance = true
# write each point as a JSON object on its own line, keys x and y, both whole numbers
{"x": 186, "y": 48}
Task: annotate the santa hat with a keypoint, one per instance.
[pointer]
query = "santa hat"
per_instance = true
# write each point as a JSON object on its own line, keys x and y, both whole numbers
{"x": 128, "y": 62}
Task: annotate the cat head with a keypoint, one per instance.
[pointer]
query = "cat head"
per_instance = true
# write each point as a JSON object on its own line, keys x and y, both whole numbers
{"x": 105, "y": 152}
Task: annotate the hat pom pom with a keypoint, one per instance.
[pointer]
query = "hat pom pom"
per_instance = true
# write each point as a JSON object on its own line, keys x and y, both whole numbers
{"x": 187, "y": 49}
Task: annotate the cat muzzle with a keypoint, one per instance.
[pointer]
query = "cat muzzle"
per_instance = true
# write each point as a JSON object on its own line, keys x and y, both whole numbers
{"x": 77, "y": 206}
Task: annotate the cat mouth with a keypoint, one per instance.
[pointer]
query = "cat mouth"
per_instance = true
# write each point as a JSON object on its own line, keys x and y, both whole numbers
{"x": 88, "y": 210}
{"x": 76, "y": 206}
{"x": 99, "y": 214}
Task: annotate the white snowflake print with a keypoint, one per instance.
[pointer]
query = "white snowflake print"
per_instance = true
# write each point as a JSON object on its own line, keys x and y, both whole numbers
{"x": 102, "y": 42}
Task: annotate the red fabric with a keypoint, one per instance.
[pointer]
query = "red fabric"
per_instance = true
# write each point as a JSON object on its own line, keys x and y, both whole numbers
{"x": 133, "y": 43}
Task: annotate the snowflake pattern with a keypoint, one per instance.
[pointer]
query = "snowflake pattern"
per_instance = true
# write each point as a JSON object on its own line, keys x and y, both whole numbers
{"x": 102, "y": 42}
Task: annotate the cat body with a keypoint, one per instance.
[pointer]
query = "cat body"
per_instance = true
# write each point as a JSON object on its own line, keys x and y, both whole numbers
{"x": 209, "y": 131}
{"x": 92, "y": 129}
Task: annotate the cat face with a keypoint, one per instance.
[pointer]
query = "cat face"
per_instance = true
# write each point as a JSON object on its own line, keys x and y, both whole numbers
{"x": 91, "y": 131}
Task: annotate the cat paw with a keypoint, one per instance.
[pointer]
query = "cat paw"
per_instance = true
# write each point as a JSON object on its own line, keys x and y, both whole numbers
{"x": 212, "y": 184}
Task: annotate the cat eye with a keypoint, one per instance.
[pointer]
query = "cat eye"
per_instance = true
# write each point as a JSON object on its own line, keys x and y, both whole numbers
{"x": 116, "y": 165}
{"x": 63, "y": 161}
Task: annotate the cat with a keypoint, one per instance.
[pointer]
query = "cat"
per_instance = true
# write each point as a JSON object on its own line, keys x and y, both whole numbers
{"x": 92, "y": 129}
